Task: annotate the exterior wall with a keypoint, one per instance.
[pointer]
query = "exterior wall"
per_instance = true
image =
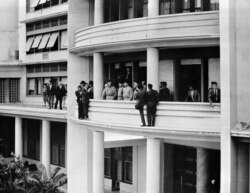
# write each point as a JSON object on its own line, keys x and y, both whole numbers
{"x": 8, "y": 29}
{"x": 141, "y": 169}
{"x": 242, "y": 20}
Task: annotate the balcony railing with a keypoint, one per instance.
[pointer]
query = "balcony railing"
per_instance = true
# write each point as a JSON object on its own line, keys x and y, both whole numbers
{"x": 180, "y": 116}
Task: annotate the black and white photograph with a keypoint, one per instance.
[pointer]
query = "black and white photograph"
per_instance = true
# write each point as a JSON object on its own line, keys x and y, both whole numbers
{"x": 124, "y": 96}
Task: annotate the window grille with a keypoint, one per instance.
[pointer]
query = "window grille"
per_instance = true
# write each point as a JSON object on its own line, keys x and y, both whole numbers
{"x": 38, "y": 26}
{"x": 2, "y": 90}
{"x": 63, "y": 21}
{"x": 54, "y": 68}
{"x": 46, "y": 68}
{"x": 46, "y": 24}
{"x": 30, "y": 69}
{"x": 38, "y": 69}
{"x": 54, "y": 22}
{"x": 14, "y": 90}
{"x": 63, "y": 67}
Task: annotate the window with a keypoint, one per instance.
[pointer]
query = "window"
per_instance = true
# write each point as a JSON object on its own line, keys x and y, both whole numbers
{"x": 14, "y": 90}
{"x": 32, "y": 138}
{"x": 2, "y": 90}
{"x": 214, "y": 5}
{"x": 167, "y": 7}
{"x": 119, "y": 164}
{"x": 7, "y": 136}
{"x": 47, "y": 42}
{"x": 107, "y": 163}
{"x": 145, "y": 8}
{"x": 58, "y": 143}
{"x": 128, "y": 164}
{"x": 54, "y": 22}
{"x": 42, "y": 4}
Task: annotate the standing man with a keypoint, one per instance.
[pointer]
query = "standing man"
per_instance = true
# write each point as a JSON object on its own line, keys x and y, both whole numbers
{"x": 60, "y": 93}
{"x": 152, "y": 98}
{"x": 193, "y": 95}
{"x": 214, "y": 94}
{"x": 79, "y": 102}
{"x": 127, "y": 92}
{"x": 85, "y": 101}
{"x": 91, "y": 89}
{"x": 109, "y": 92}
{"x": 51, "y": 89}
{"x": 141, "y": 101}
{"x": 164, "y": 92}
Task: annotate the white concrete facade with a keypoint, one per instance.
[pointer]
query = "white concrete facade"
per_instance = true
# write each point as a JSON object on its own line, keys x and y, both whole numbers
{"x": 154, "y": 39}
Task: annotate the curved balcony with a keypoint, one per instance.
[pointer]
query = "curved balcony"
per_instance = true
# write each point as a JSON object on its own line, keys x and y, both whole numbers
{"x": 171, "y": 117}
{"x": 178, "y": 30}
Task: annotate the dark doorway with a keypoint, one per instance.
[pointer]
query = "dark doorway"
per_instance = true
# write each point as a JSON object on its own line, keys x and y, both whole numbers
{"x": 188, "y": 75}
{"x": 184, "y": 169}
{"x": 7, "y": 136}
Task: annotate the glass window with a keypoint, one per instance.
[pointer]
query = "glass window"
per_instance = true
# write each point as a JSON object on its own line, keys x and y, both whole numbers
{"x": 107, "y": 162}
{"x": 167, "y": 7}
{"x": 2, "y": 90}
{"x": 214, "y": 5}
{"x": 58, "y": 143}
{"x": 32, "y": 138}
{"x": 14, "y": 90}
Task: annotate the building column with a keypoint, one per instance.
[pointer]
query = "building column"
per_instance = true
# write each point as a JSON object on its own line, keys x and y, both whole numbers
{"x": 229, "y": 103}
{"x": 202, "y": 178}
{"x": 153, "y": 170}
{"x": 46, "y": 145}
{"x": 98, "y": 75}
{"x": 18, "y": 137}
{"x": 153, "y": 67}
{"x": 153, "y": 8}
{"x": 99, "y": 12}
{"x": 98, "y": 162}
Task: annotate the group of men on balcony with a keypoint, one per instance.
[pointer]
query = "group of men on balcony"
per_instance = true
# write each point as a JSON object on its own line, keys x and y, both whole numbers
{"x": 140, "y": 94}
{"x": 51, "y": 91}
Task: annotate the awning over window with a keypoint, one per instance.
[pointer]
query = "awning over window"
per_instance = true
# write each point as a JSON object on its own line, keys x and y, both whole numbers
{"x": 52, "y": 39}
{"x": 34, "y": 3}
{"x": 37, "y": 41}
{"x": 44, "y": 41}
{"x": 42, "y": 1}
{"x": 64, "y": 39}
{"x": 29, "y": 43}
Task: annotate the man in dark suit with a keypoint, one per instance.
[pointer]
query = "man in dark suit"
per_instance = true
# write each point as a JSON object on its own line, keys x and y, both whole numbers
{"x": 164, "y": 92}
{"x": 51, "y": 89}
{"x": 141, "y": 101}
{"x": 214, "y": 94}
{"x": 152, "y": 99}
{"x": 60, "y": 93}
{"x": 79, "y": 102}
{"x": 193, "y": 95}
{"x": 85, "y": 100}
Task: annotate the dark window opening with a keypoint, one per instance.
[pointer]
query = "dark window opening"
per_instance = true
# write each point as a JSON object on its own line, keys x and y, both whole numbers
{"x": 58, "y": 143}
{"x": 31, "y": 138}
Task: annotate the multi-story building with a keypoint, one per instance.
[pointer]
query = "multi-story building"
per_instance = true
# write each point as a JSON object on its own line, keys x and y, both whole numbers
{"x": 38, "y": 30}
{"x": 183, "y": 42}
